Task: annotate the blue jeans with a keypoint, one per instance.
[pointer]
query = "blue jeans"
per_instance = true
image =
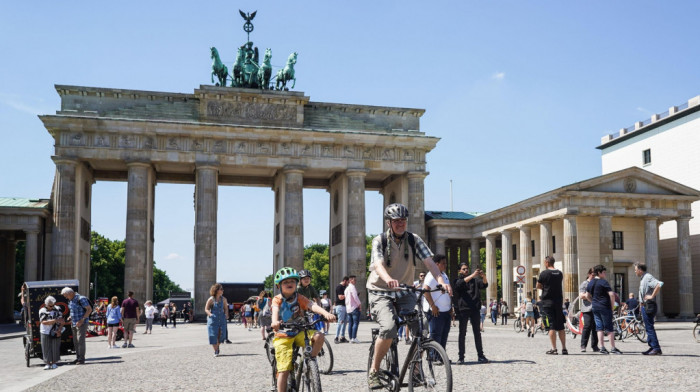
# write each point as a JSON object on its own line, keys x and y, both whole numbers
{"x": 439, "y": 327}
{"x": 494, "y": 317}
{"x": 652, "y": 340}
{"x": 353, "y": 323}
{"x": 342, "y": 322}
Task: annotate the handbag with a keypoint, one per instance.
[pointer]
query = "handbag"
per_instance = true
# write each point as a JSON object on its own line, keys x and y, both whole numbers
{"x": 650, "y": 307}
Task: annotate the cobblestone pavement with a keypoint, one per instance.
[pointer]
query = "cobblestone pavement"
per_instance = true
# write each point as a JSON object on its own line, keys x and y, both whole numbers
{"x": 181, "y": 359}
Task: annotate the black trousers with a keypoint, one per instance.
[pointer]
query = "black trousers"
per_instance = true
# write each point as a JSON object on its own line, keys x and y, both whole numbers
{"x": 589, "y": 330}
{"x": 464, "y": 317}
{"x": 504, "y": 318}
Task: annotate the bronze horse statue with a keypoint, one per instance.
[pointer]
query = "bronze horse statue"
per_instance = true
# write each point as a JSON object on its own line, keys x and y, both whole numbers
{"x": 237, "y": 79}
{"x": 218, "y": 68}
{"x": 265, "y": 71}
{"x": 287, "y": 73}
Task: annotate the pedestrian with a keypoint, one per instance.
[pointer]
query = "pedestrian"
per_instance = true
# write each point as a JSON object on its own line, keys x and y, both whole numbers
{"x": 216, "y": 309}
{"x": 173, "y": 314}
{"x": 289, "y": 306}
{"x": 259, "y": 305}
{"x": 353, "y": 307}
{"x": 467, "y": 300}
{"x": 649, "y": 288}
{"x": 417, "y": 284}
{"x": 164, "y": 315}
{"x": 230, "y": 311}
{"x": 482, "y": 315}
{"x": 529, "y": 307}
{"x": 340, "y": 311}
{"x": 186, "y": 311}
{"x": 306, "y": 289}
{"x": 438, "y": 305}
{"x": 265, "y": 317}
{"x": 504, "y": 312}
{"x": 51, "y": 330}
{"x": 494, "y": 311}
{"x": 80, "y": 310}
{"x": 150, "y": 312}
{"x": 602, "y": 299}
{"x": 326, "y": 305}
{"x": 241, "y": 311}
{"x": 587, "y": 312}
{"x": 131, "y": 312}
{"x": 114, "y": 316}
{"x": 551, "y": 282}
{"x": 632, "y": 306}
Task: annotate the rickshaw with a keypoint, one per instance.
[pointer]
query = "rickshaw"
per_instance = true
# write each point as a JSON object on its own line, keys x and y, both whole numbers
{"x": 33, "y": 296}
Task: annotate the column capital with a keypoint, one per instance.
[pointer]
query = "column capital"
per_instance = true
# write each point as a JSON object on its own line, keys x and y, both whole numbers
{"x": 139, "y": 164}
{"x": 206, "y": 166}
{"x": 294, "y": 169}
{"x": 491, "y": 236}
{"x": 683, "y": 218}
{"x": 417, "y": 174}
{"x": 57, "y": 159}
{"x": 31, "y": 231}
{"x": 356, "y": 172}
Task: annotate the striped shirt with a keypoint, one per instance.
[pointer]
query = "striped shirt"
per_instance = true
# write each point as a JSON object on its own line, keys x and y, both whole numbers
{"x": 77, "y": 308}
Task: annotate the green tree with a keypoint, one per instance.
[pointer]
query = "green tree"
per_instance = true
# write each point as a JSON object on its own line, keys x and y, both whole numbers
{"x": 316, "y": 261}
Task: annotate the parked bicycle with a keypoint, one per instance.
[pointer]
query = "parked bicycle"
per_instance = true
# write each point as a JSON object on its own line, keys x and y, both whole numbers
{"x": 426, "y": 365}
{"x": 518, "y": 325}
{"x": 305, "y": 376}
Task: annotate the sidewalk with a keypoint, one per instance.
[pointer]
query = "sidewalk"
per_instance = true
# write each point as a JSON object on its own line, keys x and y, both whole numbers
{"x": 11, "y": 331}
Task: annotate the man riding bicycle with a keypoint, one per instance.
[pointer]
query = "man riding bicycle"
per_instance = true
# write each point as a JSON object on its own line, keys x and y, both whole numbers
{"x": 394, "y": 255}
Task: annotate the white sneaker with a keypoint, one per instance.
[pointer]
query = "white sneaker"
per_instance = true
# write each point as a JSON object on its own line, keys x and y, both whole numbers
{"x": 47, "y": 367}
{"x": 115, "y": 346}
{"x": 109, "y": 346}
{"x": 249, "y": 329}
{"x": 54, "y": 366}
{"x": 354, "y": 340}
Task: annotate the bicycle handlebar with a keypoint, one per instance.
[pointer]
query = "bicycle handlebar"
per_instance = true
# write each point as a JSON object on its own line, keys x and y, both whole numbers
{"x": 299, "y": 325}
{"x": 419, "y": 290}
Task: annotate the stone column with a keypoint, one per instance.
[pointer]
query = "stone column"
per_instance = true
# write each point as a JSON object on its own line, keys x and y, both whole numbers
{"x": 475, "y": 256}
{"x": 206, "y": 206}
{"x": 440, "y": 246}
{"x": 545, "y": 241}
{"x": 356, "y": 245}
{"x": 453, "y": 262}
{"x": 651, "y": 256}
{"x": 606, "y": 243}
{"x": 685, "y": 269}
{"x": 507, "y": 268}
{"x": 138, "y": 203}
{"x": 7, "y": 286}
{"x": 526, "y": 259}
{"x": 464, "y": 254}
{"x": 571, "y": 280}
{"x": 294, "y": 217}
{"x": 416, "y": 204}
{"x": 65, "y": 217}
{"x": 31, "y": 259}
{"x": 492, "y": 290}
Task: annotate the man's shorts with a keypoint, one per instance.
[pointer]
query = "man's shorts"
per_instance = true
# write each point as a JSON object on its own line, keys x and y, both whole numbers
{"x": 284, "y": 350}
{"x": 553, "y": 317}
{"x": 603, "y": 320}
{"x": 129, "y": 324}
{"x": 384, "y": 313}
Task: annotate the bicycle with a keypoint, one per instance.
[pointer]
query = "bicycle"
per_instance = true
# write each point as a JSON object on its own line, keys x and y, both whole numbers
{"x": 425, "y": 357}
{"x": 696, "y": 329}
{"x": 305, "y": 374}
{"x": 518, "y": 325}
{"x": 324, "y": 358}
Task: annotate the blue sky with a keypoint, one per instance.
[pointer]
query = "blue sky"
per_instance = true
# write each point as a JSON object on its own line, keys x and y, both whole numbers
{"x": 519, "y": 91}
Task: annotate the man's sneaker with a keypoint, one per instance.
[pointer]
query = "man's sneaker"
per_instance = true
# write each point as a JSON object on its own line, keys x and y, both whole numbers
{"x": 595, "y": 349}
{"x": 125, "y": 345}
{"x": 528, "y": 333}
{"x": 564, "y": 351}
{"x": 373, "y": 380}
{"x": 603, "y": 350}
{"x": 648, "y": 351}
{"x": 230, "y": 342}
{"x": 115, "y": 346}
{"x": 583, "y": 349}
{"x": 615, "y": 351}
{"x": 131, "y": 346}
{"x": 460, "y": 362}
{"x": 655, "y": 352}
{"x": 336, "y": 340}
{"x": 482, "y": 359}
{"x": 354, "y": 340}
{"x": 47, "y": 367}
{"x": 343, "y": 340}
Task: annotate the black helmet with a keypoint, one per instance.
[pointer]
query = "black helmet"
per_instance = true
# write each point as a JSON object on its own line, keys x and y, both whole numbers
{"x": 396, "y": 211}
{"x": 304, "y": 273}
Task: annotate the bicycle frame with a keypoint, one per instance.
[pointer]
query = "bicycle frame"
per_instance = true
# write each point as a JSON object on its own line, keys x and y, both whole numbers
{"x": 295, "y": 375}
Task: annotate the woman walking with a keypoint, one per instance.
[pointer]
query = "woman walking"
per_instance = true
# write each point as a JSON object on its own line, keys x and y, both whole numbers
{"x": 217, "y": 314}
{"x": 164, "y": 314}
{"x": 150, "y": 311}
{"x": 173, "y": 314}
{"x": 51, "y": 330}
{"x": 114, "y": 316}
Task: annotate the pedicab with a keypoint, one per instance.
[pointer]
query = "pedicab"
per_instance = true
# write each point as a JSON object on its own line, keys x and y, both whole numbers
{"x": 33, "y": 296}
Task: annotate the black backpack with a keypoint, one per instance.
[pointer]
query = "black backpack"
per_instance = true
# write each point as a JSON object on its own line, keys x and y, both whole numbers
{"x": 411, "y": 243}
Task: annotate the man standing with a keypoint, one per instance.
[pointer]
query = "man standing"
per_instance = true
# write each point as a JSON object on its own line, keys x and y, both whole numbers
{"x": 649, "y": 288}
{"x": 494, "y": 311}
{"x": 80, "y": 310}
{"x": 468, "y": 306}
{"x": 340, "y": 311}
{"x": 552, "y": 299}
{"x": 353, "y": 307}
{"x": 130, "y": 314}
{"x": 438, "y": 304}
{"x": 587, "y": 311}
{"x": 602, "y": 298}
{"x": 504, "y": 312}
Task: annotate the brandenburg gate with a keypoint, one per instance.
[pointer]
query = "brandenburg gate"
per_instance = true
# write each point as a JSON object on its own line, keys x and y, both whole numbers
{"x": 228, "y": 136}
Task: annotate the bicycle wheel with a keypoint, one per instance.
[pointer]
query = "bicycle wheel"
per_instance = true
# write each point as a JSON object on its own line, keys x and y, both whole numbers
{"x": 430, "y": 369}
{"x": 640, "y": 331}
{"x": 696, "y": 332}
{"x": 311, "y": 378}
{"x": 325, "y": 358}
{"x": 518, "y": 326}
{"x": 388, "y": 378}
{"x": 269, "y": 347}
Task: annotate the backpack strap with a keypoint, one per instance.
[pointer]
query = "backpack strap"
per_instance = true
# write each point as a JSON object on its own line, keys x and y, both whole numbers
{"x": 411, "y": 243}
{"x": 384, "y": 243}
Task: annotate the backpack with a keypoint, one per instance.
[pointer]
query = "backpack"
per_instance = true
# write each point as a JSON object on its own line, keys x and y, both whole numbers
{"x": 411, "y": 243}
{"x": 528, "y": 306}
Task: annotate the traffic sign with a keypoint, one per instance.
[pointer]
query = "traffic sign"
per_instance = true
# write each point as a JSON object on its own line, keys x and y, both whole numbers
{"x": 520, "y": 270}
{"x": 521, "y": 279}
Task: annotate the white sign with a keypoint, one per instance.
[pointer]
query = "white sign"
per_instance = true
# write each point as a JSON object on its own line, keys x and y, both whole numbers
{"x": 521, "y": 270}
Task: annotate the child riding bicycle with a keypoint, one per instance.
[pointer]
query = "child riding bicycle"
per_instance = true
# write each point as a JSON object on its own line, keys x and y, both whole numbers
{"x": 286, "y": 307}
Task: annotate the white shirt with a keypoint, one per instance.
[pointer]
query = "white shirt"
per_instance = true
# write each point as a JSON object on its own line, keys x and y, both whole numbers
{"x": 150, "y": 310}
{"x": 441, "y": 300}
{"x": 352, "y": 299}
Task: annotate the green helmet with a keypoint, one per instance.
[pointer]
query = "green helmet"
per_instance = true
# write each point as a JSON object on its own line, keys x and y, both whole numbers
{"x": 286, "y": 273}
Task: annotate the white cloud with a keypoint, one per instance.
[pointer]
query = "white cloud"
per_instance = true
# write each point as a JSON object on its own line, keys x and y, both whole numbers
{"x": 14, "y": 103}
{"x": 498, "y": 76}
{"x": 172, "y": 256}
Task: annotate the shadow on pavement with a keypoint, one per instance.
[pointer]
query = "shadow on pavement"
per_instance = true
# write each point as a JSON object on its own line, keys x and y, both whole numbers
{"x": 348, "y": 371}
{"x": 520, "y": 361}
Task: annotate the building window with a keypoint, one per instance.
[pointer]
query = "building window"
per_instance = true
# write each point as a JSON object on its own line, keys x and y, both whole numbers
{"x": 618, "y": 243}
{"x": 554, "y": 244}
{"x": 515, "y": 252}
{"x": 620, "y": 285}
{"x": 532, "y": 246}
{"x": 646, "y": 156}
